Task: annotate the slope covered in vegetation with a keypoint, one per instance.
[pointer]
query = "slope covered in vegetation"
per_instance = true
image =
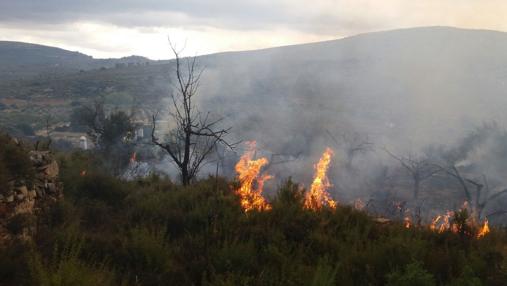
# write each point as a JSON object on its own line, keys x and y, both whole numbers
{"x": 153, "y": 232}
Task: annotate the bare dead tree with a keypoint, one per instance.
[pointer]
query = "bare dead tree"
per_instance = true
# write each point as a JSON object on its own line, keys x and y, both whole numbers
{"x": 353, "y": 144}
{"x": 454, "y": 172}
{"x": 483, "y": 200}
{"x": 278, "y": 159}
{"x": 482, "y": 191}
{"x": 195, "y": 135}
{"x": 419, "y": 168}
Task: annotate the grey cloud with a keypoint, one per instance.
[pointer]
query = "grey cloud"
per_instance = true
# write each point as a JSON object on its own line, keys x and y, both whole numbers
{"x": 233, "y": 15}
{"x": 131, "y": 13}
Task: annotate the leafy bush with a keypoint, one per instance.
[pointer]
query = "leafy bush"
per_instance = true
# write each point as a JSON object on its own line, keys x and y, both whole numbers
{"x": 66, "y": 268}
{"x": 325, "y": 275}
{"x": 153, "y": 232}
{"x": 15, "y": 163}
{"x": 413, "y": 275}
{"x": 19, "y": 222}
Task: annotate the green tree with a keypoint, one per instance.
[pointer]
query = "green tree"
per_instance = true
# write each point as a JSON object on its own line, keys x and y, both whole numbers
{"x": 112, "y": 133}
{"x": 106, "y": 130}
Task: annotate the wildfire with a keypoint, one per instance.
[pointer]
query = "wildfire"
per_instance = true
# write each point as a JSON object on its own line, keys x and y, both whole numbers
{"x": 250, "y": 191}
{"x": 483, "y": 230}
{"x": 133, "y": 158}
{"x": 442, "y": 223}
{"x": 252, "y": 182}
{"x": 407, "y": 222}
{"x": 318, "y": 196}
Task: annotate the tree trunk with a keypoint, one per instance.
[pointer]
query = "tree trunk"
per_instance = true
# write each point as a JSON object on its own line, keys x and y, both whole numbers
{"x": 417, "y": 184}
{"x": 185, "y": 178}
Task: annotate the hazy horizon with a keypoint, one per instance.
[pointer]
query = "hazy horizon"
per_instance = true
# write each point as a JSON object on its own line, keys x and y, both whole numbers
{"x": 113, "y": 29}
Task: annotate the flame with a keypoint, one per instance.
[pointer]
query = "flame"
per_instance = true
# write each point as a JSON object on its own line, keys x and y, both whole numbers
{"x": 483, "y": 230}
{"x": 133, "y": 158}
{"x": 318, "y": 196}
{"x": 407, "y": 222}
{"x": 248, "y": 174}
{"x": 442, "y": 223}
{"x": 82, "y": 173}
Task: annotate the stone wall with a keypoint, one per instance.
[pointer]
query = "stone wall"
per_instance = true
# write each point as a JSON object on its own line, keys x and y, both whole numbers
{"x": 23, "y": 202}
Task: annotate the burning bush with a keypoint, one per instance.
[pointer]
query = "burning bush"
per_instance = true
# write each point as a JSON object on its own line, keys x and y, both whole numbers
{"x": 318, "y": 197}
{"x": 251, "y": 181}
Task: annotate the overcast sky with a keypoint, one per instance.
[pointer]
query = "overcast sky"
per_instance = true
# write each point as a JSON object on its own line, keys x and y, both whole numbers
{"x": 115, "y": 28}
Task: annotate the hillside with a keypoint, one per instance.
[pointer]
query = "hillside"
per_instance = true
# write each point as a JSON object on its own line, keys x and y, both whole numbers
{"x": 25, "y": 54}
{"x": 151, "y": 231}
{"x": 24, "y": 60}
{"x": 377, "y": 159}
{"x": 384, "y": 84}
{"x": 290, "y": 98}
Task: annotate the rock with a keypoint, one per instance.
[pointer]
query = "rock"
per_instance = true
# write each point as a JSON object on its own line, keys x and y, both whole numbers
{"x": 24, "y": 207}
{"x": 40, "y": 158}
{"x": 32, "y": 194}
{"x": 51, "y": 187}
{"x": 17, "y": 199}
{"x": 51, "y": 170}
{"x": 4, "y": 211}
{"x": 22, "y": 190}
{"x": 382, "y": 220}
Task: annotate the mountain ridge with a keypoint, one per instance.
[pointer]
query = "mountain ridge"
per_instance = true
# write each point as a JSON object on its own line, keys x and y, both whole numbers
{"x": 300, "y": 45}
{"x": 383, "y": 83}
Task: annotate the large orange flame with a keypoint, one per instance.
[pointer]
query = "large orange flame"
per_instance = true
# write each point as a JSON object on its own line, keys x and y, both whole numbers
{"x": 250, "y": 191}
{"x": 318, "y": 196}
{"x": 483, "y": 230}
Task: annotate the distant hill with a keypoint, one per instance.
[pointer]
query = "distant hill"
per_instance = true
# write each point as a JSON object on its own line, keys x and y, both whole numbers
{"x": 24, "y": 60}
{"x": 410, "y": 87}
{"x": 25, "y": 54}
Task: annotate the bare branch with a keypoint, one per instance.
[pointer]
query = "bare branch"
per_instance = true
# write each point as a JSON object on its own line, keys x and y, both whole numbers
{"x": 195, "y": 136}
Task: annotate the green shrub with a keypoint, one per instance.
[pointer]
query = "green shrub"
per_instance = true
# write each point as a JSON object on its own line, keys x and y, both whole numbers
{"x": 413, "y": 275}
{"x": 325, "y": 275}
{"x": 147, "y": 251}
{"x": 14, "y": 264}
{"x": 153, "y": 232}
{"x": 19, "y": 222}
{"x": 100, "y": 187}
{"x": 467, "y": 278}
{"x": 15, "y": 163}
{"x": 66, "y": 268}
